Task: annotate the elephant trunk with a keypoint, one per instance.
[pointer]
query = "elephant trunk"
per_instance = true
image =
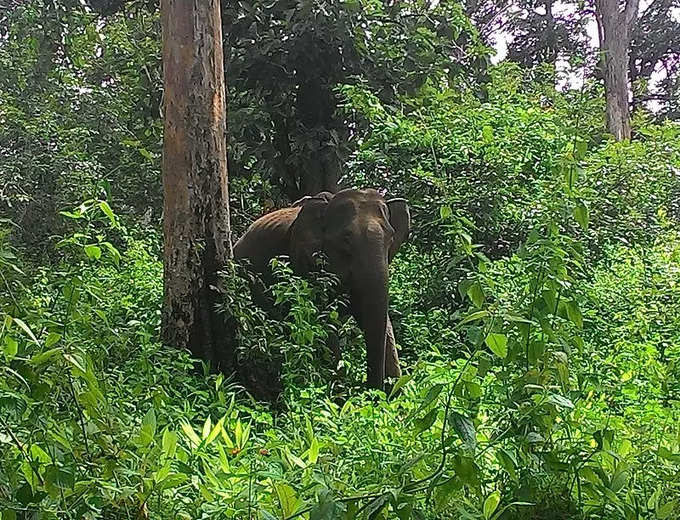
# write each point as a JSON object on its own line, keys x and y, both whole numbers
{"x": 369, "y": 304}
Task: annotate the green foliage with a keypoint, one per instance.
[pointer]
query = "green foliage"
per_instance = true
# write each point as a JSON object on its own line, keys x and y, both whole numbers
{"x": 79, "y": 105}
{"x": 288, "y": 330}
{"x": 283, "y": 107}
{"x": 97, "y": 419}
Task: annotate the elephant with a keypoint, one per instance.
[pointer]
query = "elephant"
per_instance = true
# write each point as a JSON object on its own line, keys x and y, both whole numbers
{"x": 360, "y": 232}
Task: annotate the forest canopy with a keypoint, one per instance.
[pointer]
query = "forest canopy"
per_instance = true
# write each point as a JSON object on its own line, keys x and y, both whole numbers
{"x": 535, "y": 302}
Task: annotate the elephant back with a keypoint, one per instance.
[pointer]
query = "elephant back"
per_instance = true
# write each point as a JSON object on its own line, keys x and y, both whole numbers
{"x": 266, "y": 238}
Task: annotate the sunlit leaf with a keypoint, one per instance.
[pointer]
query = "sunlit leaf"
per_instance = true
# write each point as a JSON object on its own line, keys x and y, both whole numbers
{"x": 491, "y": 503}
{"x": 169, "y": 443}
{"x": 476, "y": 294}
{"x": 191, "y": 434}
{"x": 560, "y": 401}
{"x": 313, "y": 453}
{"x": 106, "y": 209}
{"x": 498, "y": 343}
{"x": 10, "y": 347}
{"x": 93, "y": 252}
{"x": 478, "y": 315}
{"x": 667, "y": 510}
{"x": 400, "y": 383}
{"x": 26, "y": 329}
{"x": 288, "y": 499}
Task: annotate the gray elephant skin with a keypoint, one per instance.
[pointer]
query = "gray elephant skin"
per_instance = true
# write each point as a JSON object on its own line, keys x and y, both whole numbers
{"x": 360, "y": 232}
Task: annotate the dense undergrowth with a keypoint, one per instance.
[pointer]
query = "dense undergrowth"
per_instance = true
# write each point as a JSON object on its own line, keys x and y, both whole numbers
{"x": 540, "y": 384}
{"x": 99, "y": 420}
{"x": 536, "y": 306}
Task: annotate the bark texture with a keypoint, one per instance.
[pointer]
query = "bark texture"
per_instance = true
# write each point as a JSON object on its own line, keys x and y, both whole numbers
{"x": 615, "y": 25}
{"x": 196, "y": 202}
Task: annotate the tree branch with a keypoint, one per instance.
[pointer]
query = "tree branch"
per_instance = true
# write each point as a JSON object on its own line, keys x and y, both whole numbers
{"x": 630, "y": 13}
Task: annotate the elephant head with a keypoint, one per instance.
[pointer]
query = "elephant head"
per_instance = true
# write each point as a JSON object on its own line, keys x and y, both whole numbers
{"x": 360, "y": 232}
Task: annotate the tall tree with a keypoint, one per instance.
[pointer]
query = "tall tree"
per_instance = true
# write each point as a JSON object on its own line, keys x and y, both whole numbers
{"x": 196, "y": 203}
{"x": 655, "y": 49}
{"x": 284, "y": 120}
{"x": 544, "y": 31}
{"x": 615, "y": 25}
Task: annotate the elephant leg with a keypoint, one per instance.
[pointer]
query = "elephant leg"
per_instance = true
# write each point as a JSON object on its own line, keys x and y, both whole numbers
{"x": 391, "y": 357}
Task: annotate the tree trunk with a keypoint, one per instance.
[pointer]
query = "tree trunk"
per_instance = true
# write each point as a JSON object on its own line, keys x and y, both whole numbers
{"x": 196, "y": 203}
{"x": 614, "y": 27}
{"x": 616, "y": 90}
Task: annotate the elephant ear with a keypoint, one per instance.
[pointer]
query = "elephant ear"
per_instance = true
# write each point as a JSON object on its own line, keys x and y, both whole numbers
{"x": 306, "y": 232}
{"x": 400, "y": 220}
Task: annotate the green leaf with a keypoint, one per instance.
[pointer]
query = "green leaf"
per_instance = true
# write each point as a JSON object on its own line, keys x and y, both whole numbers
{"x": 498, "y": 343}
{"x": 191, "y": 434}
{"x": 474, "y": 389}
{"x": 25, "y": 328}
{"x": 581, "y": 149}
{"x": 71, "y": 214}
{"x": 287, "y": 498}
{"x": 160, "y": 475}
{"x": 536, "y": 350}
{"x": 115, "y": 254}
{"x": 10, "y": 347}
{"x": 293, "y": 459}
{"x": 476, "y": 294}
{"x": 478, "y": 315}
{"x": 467, "y": 470}
{"x": 507, "y": 461}
{"x": 432, "y": 394}
{"x": 8, "y": 514}
{"x": 169, "y": 443}
{"x": 560, "y": 401}
{"x": 465, "y": 429}
{"x": 571, "y": 175}
{"x": 574, "y": 313}
{"x": 93, "y": 252}
{"x": 424, "y": 423}
{"x": 313, "y": 452}
{"x": 266, "y": 515}
{"x": 238, "y": 433}
{"x": 43, "y": 357}
{"x": 59, "y": 476}
{"x": 376, "y": 505}
{"x": 487, "y": 134}
{"x": 581, "y": 215}
{"x": 148, "y": 428}
{"x": 214, "y": 432}
{"x": 619, "y": 480}
{"x": 173, "y": 480}
{"x": 104, "y": 206}
{"x": 327, "y": 508}
{"x": 400, "y": 383}
{"x": 445, "y": 212}
{"x": 550, "y": 298}
{"x": 75, "y": 360}
{"x": 491, "y": 503}
{"x": 665, "y": 511}
{"x": 207, "y": 426}
{"x": 52, "y": 339}
{"x": 205, "y": 492}
{"x": 30, "y": 474}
